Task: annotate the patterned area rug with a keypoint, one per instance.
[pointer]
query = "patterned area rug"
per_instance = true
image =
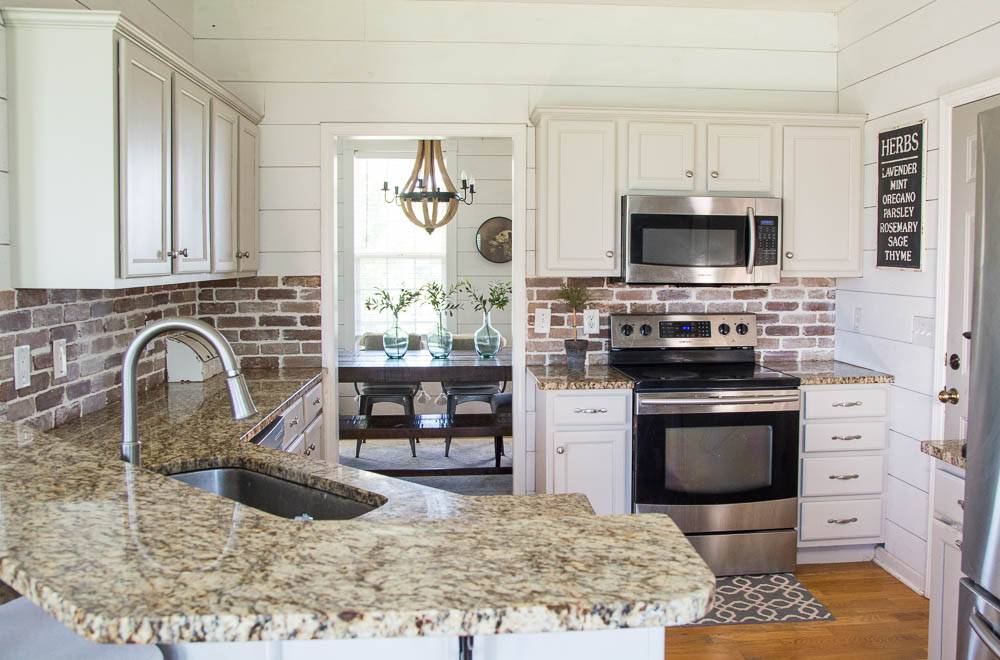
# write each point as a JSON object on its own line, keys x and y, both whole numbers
{"x": 777, "y": 598}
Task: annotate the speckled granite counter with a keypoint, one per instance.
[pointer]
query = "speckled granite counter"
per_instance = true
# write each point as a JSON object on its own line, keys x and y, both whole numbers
{"x": 946, "y": 451}
{"x": 124, "y": 554}
{"x": 595, "y": 377}
{"x": 830, "y": 372}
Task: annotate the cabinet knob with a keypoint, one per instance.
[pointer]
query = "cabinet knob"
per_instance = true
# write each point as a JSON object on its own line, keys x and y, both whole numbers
{"x": 560, "y": 450}
{"x": 715, "y": 174}
{"x": 609, "y": 254}
{"x": 789, "y": 255}
{"x": 689, "y": 173}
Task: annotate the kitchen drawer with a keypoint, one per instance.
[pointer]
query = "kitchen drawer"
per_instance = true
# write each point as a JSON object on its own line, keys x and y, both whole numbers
{"x": 297, "y": 445}
{"x": 844, "y": 436}
{"x": 842, "y": 475}
{"x": 314, "y": 437}
{"x": 949, "y": 496}
{"x": 313, "y": 402}
{"x": 841, "y": 519}
{"x": 847, "y": 402}
{"x": 294, "y": 418}
{"x": 583, "y": 410}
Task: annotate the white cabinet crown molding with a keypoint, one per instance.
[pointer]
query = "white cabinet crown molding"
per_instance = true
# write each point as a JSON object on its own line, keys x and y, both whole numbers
{"x": 798, "y": 118}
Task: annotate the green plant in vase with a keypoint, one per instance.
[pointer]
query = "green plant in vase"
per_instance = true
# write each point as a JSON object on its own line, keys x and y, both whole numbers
{"x": 576, "y": 298}
{"x": 443, "y": 301}
{"x": 487, "y": 339}
{"x": 394, "y": 340}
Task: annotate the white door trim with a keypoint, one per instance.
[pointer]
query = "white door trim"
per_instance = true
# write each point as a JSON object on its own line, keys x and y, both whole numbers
{"x": 330, "y": 133}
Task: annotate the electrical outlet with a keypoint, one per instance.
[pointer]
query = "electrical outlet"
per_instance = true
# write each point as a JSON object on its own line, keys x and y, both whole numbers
{"x": 59, "y": 358}
{"x": 22, "y": 367}
{"x": 591, "y": 321}
{"x": 543, "y": 320}
{"x": 856, "y": 320}
{"x": 923, "y": 331}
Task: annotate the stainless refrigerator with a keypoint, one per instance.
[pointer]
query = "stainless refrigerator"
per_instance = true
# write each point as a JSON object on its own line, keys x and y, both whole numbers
{"x": 979, "y": 600}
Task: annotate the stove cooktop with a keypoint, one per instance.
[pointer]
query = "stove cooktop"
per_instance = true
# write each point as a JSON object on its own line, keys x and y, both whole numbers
{"x": 689, "y": 377}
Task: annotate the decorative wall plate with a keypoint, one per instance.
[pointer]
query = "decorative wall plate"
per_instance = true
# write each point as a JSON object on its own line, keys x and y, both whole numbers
{"x": 494, "y": 240}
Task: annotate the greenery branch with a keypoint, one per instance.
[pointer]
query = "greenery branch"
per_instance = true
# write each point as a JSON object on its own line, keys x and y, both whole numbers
{"x": 576, "y": 298}
{"x": 497, "y": 295}
{"x": 383, "y": 301}
{"x": 442, "y": 300}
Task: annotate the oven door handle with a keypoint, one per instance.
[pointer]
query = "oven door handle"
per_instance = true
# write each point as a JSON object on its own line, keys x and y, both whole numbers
{"x": 714, "y": 401}
{"x": 752, "y": 239}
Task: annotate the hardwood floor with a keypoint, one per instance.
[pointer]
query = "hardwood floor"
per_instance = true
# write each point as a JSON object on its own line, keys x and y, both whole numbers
{"x": 876, "y": 616}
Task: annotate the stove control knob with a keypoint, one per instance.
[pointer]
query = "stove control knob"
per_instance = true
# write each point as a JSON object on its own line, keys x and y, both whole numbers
{"x": 723, "y": 328}
{"x": 742, "y": 329}
{"x": 645, "y": 330}
{"x": 627, "y": 330}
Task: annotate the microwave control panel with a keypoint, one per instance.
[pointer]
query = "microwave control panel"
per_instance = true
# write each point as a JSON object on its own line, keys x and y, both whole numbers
{"x": 767, "y": 241}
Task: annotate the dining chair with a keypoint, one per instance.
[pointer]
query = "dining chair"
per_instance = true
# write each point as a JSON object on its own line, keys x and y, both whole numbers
{"x": 401, "y": 394}
{"x": 464, "y": 392}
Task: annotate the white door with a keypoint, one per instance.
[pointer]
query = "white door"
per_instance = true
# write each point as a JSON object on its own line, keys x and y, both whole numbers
{"x": 739, "y": 158}
{"x": 144, "y": 167}
{"x": 247, "y": 244}
{"x": 661, "y": 155}
{"x": 192, "y": 113}
{"x": 962, "y": 220}
{"x": 225, "y": 144}
{"x": 946, "y": 572}
{"x": 580, "y": 218}
{"x": 592, "y": 463}
{"x": 821, "y": 205}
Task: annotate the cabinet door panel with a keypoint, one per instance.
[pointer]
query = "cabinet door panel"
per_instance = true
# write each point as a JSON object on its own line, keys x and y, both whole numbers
{"x": 591, "y": 462}
{"x": 822, "y": 201}
{"x": 192, "y": 114}
{"x": 580, "y": 219}
{"x": 247, "y": 243}
{"x": 225, "y": 144}
{"x": 739, "y": 158}
{"x": 946, "y": 573}
{"x": 144, "y": 168}
{"x": 661, "y": 155}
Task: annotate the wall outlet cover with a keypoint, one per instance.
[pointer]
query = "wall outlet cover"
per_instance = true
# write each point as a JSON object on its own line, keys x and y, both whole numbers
{"x": 59, "y": 358}
{"x": 22, "y": 367}
{"x": 543, "y": 320}
{"x": 591, "y": 321}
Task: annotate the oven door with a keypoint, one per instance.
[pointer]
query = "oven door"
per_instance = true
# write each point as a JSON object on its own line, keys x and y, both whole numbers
{"x": 701, "y": 240}
{"x": 718, "y": 461}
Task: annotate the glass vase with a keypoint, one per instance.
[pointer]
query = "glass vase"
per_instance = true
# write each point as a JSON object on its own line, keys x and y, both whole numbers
{"x": 487, "y": 339}
{"x": 440, "y": 340}
{"x": 395, "y": 341}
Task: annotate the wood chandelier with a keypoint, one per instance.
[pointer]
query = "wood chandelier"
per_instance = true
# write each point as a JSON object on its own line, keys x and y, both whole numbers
{"x": 422, "y": 200}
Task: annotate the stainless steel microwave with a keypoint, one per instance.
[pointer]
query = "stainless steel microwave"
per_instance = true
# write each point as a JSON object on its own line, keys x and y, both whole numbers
{"x": 701, "y": 240}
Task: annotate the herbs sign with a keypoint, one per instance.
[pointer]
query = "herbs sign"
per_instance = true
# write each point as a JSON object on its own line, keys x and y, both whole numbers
{"x": 900, "y": 197}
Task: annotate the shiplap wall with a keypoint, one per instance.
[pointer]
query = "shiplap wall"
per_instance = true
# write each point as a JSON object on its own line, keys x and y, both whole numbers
{"x": 897, "y": 57}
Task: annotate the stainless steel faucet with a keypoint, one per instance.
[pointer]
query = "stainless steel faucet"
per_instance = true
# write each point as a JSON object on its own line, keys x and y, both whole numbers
{"x": 239, "y": 395}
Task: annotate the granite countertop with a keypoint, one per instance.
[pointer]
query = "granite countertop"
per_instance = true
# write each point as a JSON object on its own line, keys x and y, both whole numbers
{"x": 125, "y": 554}
{"x": 946, "y": 451}
{"x": 594, "y": 377}
{"x": 830, "y": 372}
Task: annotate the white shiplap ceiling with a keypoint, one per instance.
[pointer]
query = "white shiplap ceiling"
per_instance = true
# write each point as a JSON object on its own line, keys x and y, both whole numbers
{"x": 787, "y": 5}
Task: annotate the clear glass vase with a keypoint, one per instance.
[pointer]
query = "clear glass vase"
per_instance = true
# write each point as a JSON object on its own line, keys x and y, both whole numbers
{"x": 487, "y": 338}
{"x": 440, "y": 340}
{"x": 395, "y": 341}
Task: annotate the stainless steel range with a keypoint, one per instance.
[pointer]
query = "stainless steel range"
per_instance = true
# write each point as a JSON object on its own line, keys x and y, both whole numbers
{"x": 715, "y": 438}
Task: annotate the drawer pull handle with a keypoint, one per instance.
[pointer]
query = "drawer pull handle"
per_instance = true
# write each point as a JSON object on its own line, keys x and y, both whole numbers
{"x": 845, "y": 437}
{"x": 958, "y": 544}
{"x": 848, "y": 404}
{"x": 961, "y": 504}
{"x": 844, "y": 477}
{"x": 841, "y": 521}
{"x": 294, "y": 422}
{"x": 310, "y": 449}
{"x": 317, "y": 401}
{"x": 590, "y": 411}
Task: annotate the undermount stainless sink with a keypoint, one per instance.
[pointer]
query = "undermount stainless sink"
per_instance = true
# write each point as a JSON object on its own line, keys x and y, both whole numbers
{"x": 273, "y": 495}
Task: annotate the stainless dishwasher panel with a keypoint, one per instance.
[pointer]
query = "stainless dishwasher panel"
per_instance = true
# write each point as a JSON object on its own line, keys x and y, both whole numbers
{"x": 271, "y": 435}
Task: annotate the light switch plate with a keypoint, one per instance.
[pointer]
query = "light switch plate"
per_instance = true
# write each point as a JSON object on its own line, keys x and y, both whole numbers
{"x": 856, "y": 320}
{"x": 923, "y": 331}
{"x": 22, "y": 367}
{"x": 591, "y": 321}
{"x": 59, "y": 358}
{"x": 543, "y": 320}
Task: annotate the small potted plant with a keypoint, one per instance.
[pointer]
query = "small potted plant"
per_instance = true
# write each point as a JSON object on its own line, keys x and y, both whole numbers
{"x": 576, "y": 298}
{"x": 395, "y": 342}
{"x": 487, "y": 339}
{"x": 443, "y": 301}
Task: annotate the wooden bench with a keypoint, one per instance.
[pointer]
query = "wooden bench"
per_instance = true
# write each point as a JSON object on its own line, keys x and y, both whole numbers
{"x": 395, "y": 427}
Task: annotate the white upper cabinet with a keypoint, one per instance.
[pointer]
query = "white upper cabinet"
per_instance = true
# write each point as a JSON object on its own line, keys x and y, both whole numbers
{"x": 248, "y": 243}
{"x": 661, "y": 155}
{"x": 192, "y": 142}
{"x": 577, "y": 200}
{"x": 821, "y": 193}
{"x": 739, "y": 158}
{"x": 144, "y": 143}
{"x": 225, "y": 174}
{"x": 137, "y": 182}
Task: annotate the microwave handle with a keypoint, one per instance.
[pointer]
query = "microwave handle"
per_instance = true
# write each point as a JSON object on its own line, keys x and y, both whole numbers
{"x": 752, "y": 239}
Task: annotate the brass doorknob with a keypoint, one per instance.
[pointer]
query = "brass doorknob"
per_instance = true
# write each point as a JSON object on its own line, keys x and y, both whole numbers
{"x": 948, "y": 395}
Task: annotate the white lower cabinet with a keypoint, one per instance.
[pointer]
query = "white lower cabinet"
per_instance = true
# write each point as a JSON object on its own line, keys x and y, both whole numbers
{"x": 946, "y": 565}
{"x": 303, "y": 419}
{"x": 583, "y": 444}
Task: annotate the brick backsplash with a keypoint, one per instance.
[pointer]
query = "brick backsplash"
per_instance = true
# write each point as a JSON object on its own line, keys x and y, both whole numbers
{"x": 795, "y": 318}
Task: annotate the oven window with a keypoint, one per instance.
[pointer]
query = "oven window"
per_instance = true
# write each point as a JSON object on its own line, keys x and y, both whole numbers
{"x": 717, "y": 460}
{"x": 688, "y": 240}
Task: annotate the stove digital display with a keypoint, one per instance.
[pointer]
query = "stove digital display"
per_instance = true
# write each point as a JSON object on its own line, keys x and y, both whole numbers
{"x": 685, "y": 329}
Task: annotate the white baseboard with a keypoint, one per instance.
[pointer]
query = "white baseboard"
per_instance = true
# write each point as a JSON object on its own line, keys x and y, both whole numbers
{"x": 836, "y": 555}
{"x": 900, "y": 570}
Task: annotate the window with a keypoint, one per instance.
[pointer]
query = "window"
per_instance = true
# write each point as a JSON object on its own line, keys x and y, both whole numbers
{"x": 390, "y": 252}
